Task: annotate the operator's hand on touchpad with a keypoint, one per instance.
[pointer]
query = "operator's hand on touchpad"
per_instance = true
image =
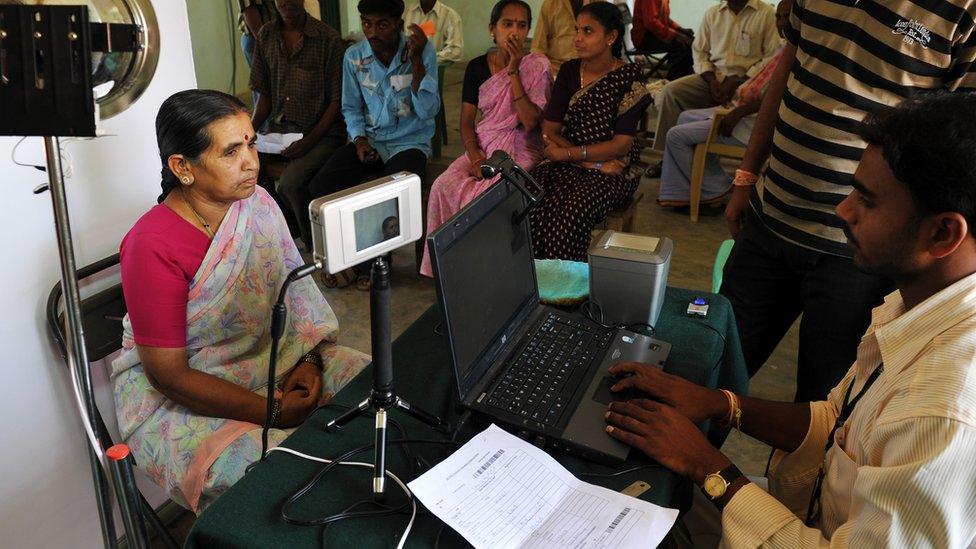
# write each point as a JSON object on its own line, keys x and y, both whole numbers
{"x": 605, "y": 394}
{"x": 693, "y": 401}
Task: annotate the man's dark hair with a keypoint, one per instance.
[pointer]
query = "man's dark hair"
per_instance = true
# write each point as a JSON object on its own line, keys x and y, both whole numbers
{"x": 496, "y": 12}
{"x": 929, "y": 142}
{"x": 612, "y": 20}
{"x": 393, "y": 8}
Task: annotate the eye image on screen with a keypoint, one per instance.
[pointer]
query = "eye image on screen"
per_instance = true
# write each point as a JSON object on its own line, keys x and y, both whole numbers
{"x": 377, "y": 223}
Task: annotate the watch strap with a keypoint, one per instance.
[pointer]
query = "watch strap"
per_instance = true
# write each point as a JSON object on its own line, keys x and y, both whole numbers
{"x": 730, "y": 474}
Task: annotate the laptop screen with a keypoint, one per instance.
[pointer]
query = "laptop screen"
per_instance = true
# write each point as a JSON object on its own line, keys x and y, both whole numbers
{"x": 485, "y": 277}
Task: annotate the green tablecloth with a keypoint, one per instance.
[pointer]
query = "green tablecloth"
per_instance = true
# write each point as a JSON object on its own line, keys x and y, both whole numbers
{"x": 248, "y": 514}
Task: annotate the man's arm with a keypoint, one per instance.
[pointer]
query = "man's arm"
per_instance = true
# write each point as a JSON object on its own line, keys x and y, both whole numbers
{"x": 261, "y": 111}
{"x": 333, "y": 80}
{"x": 252, "y": 19}
{"x": 701, "y": 49}
{"x": 761, "y": 139}
{"x": 782, "y": 425}
{"x": 352, "y": 99}
{"x": 452, "y": 50}
{"x": 260, "y": 82}
{"x": 423, "y": 87}
{"x": 771, "y": 43}
{"x": 918, "y": 495}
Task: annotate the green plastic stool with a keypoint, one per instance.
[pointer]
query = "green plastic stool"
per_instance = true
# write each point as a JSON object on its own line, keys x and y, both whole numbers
{"x": 720, "y": 258}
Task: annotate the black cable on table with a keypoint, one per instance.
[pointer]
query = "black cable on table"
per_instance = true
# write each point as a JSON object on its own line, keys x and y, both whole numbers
{"x": 298, "y": 494}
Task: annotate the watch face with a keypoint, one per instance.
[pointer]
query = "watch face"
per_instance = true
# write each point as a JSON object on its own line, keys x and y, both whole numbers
{"x": 714, "y": 485}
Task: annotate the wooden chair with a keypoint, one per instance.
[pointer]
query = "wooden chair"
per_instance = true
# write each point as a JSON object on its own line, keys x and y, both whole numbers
{"x": 621, "y": 218}
{"x": 702, "y": 150}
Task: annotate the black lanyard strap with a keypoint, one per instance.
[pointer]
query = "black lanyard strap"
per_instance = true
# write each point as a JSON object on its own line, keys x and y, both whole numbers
{"x": 845, "y": 412}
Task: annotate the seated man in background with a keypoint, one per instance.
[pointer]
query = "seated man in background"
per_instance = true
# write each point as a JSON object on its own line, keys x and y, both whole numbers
{"x": 253, "y": 15}
{"x": 886, "y": 460}
{"x": 735, "y": 38}
{"x": 298, "y": 73}
{"x": 389, "y": 100}
{"x": 447, "y": 35}
{"x": 556, "y": 30}
{"x": 734, "y": 129}
{"x": 655, "y": 31}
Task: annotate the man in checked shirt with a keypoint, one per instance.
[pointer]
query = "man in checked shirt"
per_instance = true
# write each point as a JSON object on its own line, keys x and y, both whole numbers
{"x": 297, "y": 73}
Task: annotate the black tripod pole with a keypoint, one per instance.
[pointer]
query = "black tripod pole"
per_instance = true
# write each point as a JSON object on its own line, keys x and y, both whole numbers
{"x": 383, "y": 396}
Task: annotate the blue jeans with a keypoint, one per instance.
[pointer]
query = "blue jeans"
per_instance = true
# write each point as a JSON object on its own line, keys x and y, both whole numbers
{"x": 247, "y": 46}
{"x": 679, "y": 151}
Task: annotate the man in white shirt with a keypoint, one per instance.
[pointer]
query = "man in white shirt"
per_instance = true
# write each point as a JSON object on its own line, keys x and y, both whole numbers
{"x": 448, "y": 37}
{"x": 886, "y": 460}
{"x": 735, "y": 37}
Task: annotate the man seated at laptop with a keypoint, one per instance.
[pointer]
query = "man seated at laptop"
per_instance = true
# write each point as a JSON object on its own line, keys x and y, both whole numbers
{"x": 886, "y": 460}
{"x": 389, "y": 100}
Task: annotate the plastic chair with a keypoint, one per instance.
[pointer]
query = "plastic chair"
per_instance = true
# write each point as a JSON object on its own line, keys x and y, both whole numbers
{"x": 719, "y": 267}
{"x": 102, "y": 319}
{"x": 702, "y": 150}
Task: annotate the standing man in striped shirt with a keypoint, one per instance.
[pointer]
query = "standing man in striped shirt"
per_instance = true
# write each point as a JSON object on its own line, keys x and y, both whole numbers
{"x": 844, "y": 59}
{"x": 886, "y": 459}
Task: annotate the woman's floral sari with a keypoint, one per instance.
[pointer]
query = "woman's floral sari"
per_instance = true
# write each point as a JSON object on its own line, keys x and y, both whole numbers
{"x": 195, "y": 458}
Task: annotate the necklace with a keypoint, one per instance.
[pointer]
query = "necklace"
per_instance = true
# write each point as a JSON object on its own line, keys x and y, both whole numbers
{"x": 613, "y": 66}
{"x": 206, "y": 226}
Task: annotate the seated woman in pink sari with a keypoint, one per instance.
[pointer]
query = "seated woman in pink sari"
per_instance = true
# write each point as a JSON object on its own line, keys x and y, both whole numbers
{"x": 510, "y": 89}
{"x": 200, "y": 273}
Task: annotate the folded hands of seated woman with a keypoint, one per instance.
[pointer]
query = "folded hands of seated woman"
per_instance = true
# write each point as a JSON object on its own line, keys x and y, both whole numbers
{"x": 301, "y": 394}
{"x": 558, "y": 149}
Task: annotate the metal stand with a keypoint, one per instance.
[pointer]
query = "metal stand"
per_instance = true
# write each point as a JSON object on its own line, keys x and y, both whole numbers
{"x": 383, "y": 396}
{"x": 75, "y": 339}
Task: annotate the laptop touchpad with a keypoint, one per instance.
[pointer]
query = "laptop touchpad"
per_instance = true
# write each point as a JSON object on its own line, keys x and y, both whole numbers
{"x": 604, "y": 395}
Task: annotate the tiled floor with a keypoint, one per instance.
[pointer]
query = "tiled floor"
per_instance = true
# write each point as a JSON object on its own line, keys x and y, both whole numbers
{"x": 695, "y": 245}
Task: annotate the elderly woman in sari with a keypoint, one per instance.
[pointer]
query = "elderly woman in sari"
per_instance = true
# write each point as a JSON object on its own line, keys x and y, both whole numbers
{"x": 510, "y": 89}
{"x": 588, "y": 131}
{"x": 200, "y": 273}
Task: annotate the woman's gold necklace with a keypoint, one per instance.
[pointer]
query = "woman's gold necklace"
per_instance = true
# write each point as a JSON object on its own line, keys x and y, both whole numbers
{"x": 206, "y": 226}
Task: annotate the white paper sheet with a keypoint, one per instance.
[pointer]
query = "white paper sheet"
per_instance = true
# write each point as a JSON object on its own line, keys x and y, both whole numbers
{"x": 500, "y": 491}
{"x": 274, "y": 143}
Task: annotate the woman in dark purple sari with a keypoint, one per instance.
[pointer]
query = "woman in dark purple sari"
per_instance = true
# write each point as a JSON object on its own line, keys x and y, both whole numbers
{"x": 589, "y": 126}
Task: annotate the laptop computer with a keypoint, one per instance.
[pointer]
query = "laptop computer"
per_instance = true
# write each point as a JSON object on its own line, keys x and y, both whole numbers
{"x": 529, "y": 367}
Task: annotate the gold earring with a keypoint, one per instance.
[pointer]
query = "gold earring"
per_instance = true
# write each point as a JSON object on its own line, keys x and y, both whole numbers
{"x": 185, "y": 180}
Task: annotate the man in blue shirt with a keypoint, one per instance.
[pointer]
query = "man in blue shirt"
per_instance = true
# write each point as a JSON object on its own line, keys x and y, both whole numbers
{"x": 389, "y": 99}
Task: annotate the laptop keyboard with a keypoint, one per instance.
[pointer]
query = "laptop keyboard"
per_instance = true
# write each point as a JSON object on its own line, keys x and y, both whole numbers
{"x": 539, "y": 383}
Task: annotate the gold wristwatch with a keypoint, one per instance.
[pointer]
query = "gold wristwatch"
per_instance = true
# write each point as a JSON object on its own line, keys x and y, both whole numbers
{"x": 717, "y": 483}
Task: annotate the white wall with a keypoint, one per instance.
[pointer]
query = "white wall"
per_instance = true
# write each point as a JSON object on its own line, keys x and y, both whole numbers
{"x": 46, "y": 493}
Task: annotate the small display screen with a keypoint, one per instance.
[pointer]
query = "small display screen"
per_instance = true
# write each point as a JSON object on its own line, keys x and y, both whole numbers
{"x": 377, "y": 223}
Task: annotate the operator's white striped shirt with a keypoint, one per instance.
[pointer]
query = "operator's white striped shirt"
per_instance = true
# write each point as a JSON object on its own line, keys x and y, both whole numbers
{"x": 905, "y": 475}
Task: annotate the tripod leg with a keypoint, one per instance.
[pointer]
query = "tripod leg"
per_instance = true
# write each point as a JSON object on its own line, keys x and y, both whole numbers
{"x": 379, "y": 458}
{"x": 351, "y": 414}
{"x": 420, "y": 414}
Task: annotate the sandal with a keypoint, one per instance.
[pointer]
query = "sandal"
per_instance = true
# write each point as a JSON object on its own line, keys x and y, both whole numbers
{"x": 340, "y": 279}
